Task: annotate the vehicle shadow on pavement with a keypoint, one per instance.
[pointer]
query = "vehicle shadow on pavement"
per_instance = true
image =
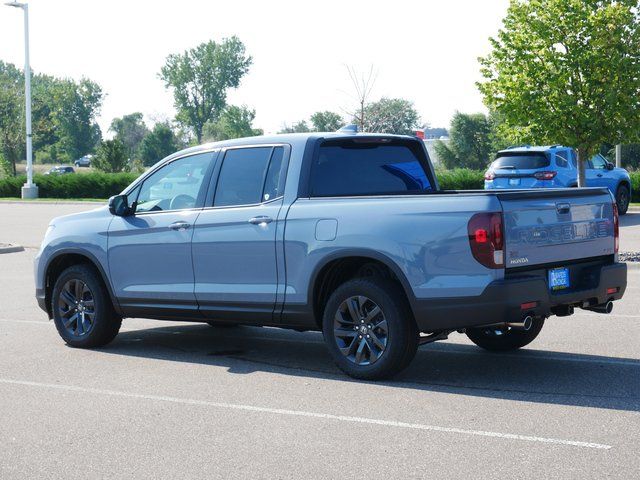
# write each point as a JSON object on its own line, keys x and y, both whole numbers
{"x": 631, "y": 219}
{"x": 527, "y": 375}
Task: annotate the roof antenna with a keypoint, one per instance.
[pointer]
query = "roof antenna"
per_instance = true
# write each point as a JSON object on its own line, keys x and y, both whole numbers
{"x": 352, "y": 128}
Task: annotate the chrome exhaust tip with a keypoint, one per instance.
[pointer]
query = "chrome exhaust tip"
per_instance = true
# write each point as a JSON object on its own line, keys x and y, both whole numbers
{"x": 606, "y": 307}
{"x": 524, "y": 324}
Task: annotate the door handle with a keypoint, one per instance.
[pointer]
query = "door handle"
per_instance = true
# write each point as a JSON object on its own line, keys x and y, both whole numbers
{"x": 262, "y": 219}
{"x": 599, "y": 175}
{"x": 180, "y": 226}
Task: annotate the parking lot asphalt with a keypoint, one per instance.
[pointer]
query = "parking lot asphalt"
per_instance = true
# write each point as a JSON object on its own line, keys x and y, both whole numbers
{"x": 177, "y": 400}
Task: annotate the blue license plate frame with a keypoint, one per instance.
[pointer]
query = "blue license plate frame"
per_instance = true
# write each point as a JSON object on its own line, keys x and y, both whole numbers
{"x": 559, "y": 279}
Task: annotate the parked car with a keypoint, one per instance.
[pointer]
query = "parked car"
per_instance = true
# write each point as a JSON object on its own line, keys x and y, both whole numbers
{"x": 60, "y": 170}
{"x": 83, "y": 161}
{"x": 348, "y": 234}
{"x": 555, "y": 167}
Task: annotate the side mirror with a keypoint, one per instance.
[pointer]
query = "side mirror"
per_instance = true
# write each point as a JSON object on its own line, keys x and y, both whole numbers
{"x": 119, "y": 205}
{"x": 610, "y": 166}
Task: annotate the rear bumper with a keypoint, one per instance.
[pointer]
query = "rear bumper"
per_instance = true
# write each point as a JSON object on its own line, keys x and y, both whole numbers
{"x": 501, "y": 301}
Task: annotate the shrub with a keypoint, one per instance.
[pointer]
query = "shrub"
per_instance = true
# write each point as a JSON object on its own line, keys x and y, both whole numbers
{"x": 635, "y": 186}
{"x": 111, "y": 157}
{"x": 460, "y": 179}
{"x": 90, "y": 185}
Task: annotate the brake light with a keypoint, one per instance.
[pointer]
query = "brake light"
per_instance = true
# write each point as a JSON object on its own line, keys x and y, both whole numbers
{"x": 486, "y": 239}
{"x": 489, "y": 176}
{"x": 546, "y": 175}
{"x": 616, "y": 228}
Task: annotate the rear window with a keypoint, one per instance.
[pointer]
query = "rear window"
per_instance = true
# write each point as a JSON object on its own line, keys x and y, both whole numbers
{"x": 349, "y": 168}
{"x": 521, "y": 162}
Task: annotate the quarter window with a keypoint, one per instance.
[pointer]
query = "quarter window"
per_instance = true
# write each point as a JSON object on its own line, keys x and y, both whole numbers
{"x": 175, "y": 186}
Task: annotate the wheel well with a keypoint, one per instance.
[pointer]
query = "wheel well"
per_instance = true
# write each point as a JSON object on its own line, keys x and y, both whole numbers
{"x": 60, "y": 264}
{"x": 626, "y": 184}
{"x": 338, "y": 271}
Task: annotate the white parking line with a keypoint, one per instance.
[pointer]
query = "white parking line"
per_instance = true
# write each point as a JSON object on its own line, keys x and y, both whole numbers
{"x": 301, "y": 413}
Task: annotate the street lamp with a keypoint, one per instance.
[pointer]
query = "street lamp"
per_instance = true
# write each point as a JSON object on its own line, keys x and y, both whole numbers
{"x": 29, "y": 189}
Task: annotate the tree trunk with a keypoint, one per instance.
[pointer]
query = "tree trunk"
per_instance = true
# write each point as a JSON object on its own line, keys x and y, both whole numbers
{"x": 582, "y": 160}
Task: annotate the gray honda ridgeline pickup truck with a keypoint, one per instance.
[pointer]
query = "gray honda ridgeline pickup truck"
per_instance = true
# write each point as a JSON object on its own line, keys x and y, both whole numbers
{"x": 344, "y": 233}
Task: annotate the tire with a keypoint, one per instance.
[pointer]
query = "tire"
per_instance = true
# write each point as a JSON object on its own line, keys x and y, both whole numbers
{"x": 81, "y": 283}
{"x": 363, "y": 357}
{"x": 622, "y": 199}
{"x": 508, "y": 339}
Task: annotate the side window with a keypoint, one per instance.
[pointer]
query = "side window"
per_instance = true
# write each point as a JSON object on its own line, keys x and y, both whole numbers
{"x": 175, "y": 186}
{"x": 248, "y": 177}
{"x": 597, "y": 162}
{"x": 273, "y": 184}
{"x": 561, "y": 160}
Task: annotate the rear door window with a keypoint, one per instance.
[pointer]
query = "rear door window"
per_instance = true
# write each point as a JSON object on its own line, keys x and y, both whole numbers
{"x": 521, "y": 162}
{"x": 250, "y": 176}
{"x": 356, "y": 168}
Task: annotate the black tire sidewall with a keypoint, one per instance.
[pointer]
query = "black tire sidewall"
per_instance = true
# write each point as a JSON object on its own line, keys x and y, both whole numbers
{"x": 622, "y": 209}
{"x": 402, "y": 333}
{"x": 105, "y": 322}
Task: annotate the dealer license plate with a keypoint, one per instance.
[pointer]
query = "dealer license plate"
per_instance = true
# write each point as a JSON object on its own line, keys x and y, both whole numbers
{"x": 558, "y": 278}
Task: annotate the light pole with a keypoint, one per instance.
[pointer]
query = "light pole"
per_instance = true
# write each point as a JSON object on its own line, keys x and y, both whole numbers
{"x": 29, "y": 189}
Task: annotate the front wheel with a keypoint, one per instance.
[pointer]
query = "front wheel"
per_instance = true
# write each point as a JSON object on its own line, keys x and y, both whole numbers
{"x": 82, "y": 309}
{"x": 369, "y": 329}
{"x": 497, "y": 339}
{"x": 622, "y": 199}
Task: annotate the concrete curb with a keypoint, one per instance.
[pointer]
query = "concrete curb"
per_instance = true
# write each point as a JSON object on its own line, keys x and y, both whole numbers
{"x": 633, "y": 265}
{"x": 11, "y": 248}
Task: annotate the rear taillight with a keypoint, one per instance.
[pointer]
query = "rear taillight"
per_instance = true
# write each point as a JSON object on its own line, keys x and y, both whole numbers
{"x": 616, "y": 228}
{"x": 547, "y": 175}
{"x": 486, "y": 239}
{"x": 489, "y": 176}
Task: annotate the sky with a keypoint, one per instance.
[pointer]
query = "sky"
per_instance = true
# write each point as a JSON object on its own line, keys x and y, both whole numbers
{"x": 424, "y": 51}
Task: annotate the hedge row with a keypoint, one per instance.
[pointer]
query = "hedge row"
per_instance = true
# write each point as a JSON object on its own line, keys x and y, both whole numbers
{"x": 466, "y": 179}
{"x": 89, "y": 185}
{"x": 103, "y": 185}
{"x": 460, "y": 179}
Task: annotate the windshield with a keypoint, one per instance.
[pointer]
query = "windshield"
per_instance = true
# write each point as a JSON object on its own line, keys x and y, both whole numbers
{"x": 521, "y": 162}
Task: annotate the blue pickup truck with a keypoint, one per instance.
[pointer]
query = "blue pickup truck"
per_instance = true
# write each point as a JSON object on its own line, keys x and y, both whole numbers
{"x": 555, "y": 167}
{"x": 348, "y": 234}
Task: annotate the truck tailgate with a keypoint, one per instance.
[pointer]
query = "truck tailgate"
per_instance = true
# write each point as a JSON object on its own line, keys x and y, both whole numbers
{"x": 552, "y": 226}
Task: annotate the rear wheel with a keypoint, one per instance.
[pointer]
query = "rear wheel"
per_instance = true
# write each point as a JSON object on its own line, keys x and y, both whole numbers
{"x": 622, "y": 199}
{"x": 82, "y": 310}
{"x": 369, "y": 329}
{"x": 504, "y": 339}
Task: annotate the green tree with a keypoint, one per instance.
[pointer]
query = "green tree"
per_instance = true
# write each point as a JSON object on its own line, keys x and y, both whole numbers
{"x": 76, "y": 107}
{"x": 12, "y": 137}
{"x": 390, "y": 115}
{"x": 158, "y": 143}
{"x": 111, "y": 157}
{"x": 234, "y": 122}
{"x": 299, "y": 127}
{"x": 567, "y": 71}
{"x": 326, "y": 121}
{"x": 470, "y": 142}
{"x": 200, "y": 78}
{"x": 130, "y": 129}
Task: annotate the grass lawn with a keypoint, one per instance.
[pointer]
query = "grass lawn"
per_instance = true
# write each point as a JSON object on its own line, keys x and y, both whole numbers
{"x": 21, "y": 168}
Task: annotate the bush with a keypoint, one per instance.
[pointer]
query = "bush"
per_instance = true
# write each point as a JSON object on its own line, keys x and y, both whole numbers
{"x": 460, "y": 179}
{"x": 111, "y": 157}
{"x": 90, "y": 185}
{"x": 635, "y": 186}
